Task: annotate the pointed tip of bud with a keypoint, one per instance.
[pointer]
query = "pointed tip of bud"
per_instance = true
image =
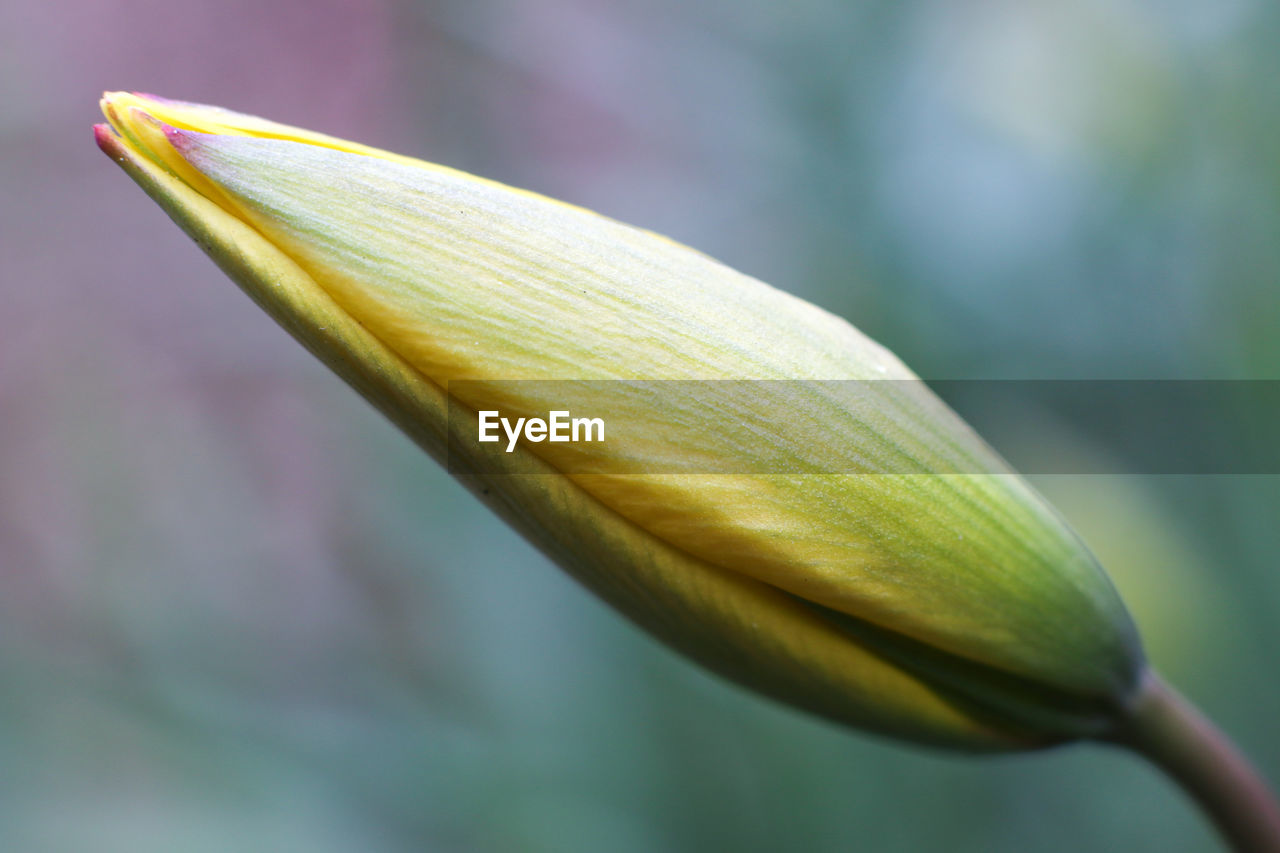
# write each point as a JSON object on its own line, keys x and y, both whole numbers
{"x": 107, "y": 139}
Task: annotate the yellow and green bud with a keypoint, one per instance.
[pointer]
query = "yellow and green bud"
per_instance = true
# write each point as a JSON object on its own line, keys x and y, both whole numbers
{"x": 884, "y": 568}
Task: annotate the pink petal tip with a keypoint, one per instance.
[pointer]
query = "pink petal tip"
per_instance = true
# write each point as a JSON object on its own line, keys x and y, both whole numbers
{"x": 179, "y": 139}
{"x": 107, "y": 140}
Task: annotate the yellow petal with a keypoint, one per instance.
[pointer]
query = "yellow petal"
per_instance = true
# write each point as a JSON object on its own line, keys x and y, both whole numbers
{"x": 948, "y": 607}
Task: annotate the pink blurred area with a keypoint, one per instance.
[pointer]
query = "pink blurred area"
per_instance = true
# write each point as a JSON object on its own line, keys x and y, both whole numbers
{"x": 125, "y": 358}
{"x": 173, "y": 511}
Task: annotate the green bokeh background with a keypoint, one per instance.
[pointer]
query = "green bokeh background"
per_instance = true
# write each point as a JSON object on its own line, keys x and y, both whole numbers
{"x": 239, "y": 612}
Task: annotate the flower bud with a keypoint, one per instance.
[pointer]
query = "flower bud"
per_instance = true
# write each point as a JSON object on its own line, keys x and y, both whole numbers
{"x": 873, "y": 561}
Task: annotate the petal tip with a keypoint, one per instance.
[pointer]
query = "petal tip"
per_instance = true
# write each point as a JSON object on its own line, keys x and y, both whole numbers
{"x": 180, "y": 139}
{"x": 111, "y": 98}
{"x": 108, "y": 140}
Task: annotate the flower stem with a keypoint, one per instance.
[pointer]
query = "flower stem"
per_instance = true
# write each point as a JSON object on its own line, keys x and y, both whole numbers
{"x": 1177, "y": 738}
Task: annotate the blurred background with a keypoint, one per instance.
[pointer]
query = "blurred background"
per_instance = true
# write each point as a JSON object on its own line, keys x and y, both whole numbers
{"x": 238, "y": 611}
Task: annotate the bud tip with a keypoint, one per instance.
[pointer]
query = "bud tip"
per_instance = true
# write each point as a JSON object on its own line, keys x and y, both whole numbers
{"x": 107, "y": 140}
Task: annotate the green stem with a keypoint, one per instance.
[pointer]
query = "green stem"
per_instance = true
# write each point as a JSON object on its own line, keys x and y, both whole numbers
{"x": 1177, "y": 738}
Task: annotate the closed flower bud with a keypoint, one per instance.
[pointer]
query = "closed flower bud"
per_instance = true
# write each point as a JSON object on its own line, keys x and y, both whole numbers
{"x": 873, "y": 561}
